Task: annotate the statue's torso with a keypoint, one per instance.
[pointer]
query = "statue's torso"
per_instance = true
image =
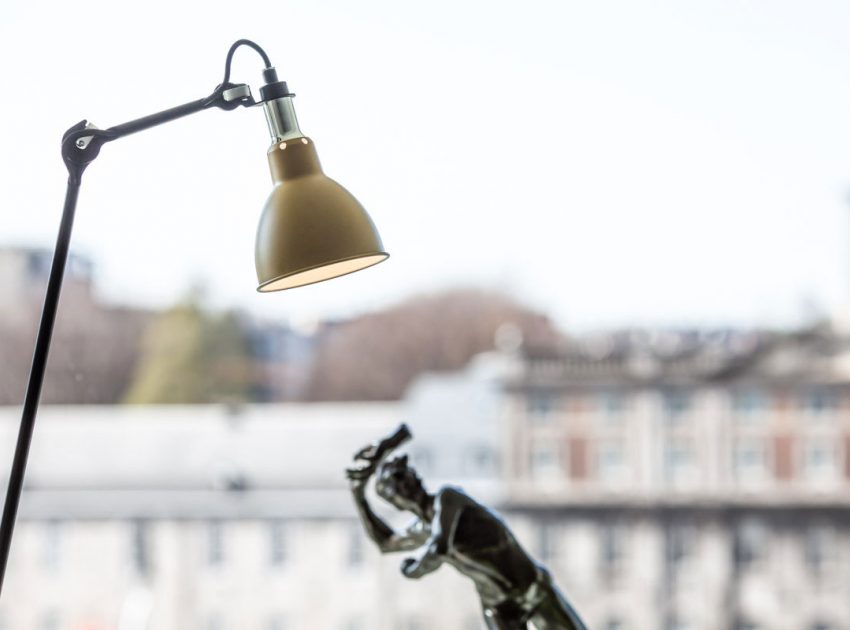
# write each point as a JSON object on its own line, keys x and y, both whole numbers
{"x": 480, "y": 545}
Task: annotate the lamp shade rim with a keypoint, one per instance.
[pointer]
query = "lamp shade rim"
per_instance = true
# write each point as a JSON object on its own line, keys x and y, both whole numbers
{"x": 267, "y": 286}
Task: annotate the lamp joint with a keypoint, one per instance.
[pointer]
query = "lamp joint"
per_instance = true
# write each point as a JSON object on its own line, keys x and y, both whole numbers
{"x": 81, "y": 145}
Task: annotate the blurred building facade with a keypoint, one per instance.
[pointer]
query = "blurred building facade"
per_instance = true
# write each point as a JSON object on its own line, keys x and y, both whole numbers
{"x": 691, "y": 481}
{"x": 23, "y": 279}
{"x": 677, "y": 481}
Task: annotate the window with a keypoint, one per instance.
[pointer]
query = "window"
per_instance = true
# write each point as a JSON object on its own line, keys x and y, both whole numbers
{"x": 540, "y": 405}
{"x": 354, "y": 623}
{"x": 611, "y": 461}
{"x": 611, "y": 551}
{"x": 819, "y": 401}
{"x": 613, "y": 403}
{"x": 38, "y": 264}
{"x": 679, "y": 544}
{"x": 277, "y": 543}
{"x": 819, "y": 550}
{"x": 277, "y": 622}
{"x": 611, "y": 408}
{"x": 749, "y": 545}
{"x": 52, "y": 554}
{"x": 749, "y": 404}
{"x": 750, "y": 462}
{"x": 413, "y": 623}
{"x": 355, "y": 545}
{"x": 215, "y": 543}
{"x": 140, "y": 547}
{"x": 49, "y": 621}
{"x": 679, "y": 466}
{"x": 676, "y": 405}
{"x": 547, "y": 542}
{"x": 480, "y": 460}
{"x": 545, "y": 461}
{"x": 820, "y": 462}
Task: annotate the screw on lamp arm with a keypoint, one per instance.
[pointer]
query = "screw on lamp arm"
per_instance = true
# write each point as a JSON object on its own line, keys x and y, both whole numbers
{"x": 81, "y": 144}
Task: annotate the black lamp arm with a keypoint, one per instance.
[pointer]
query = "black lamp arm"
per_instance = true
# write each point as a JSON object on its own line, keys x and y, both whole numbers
{"x": 80, "y": 146}
{"x": 81, "y": 143}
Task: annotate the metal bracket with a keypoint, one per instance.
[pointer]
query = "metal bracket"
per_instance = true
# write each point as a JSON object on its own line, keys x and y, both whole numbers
{"x": 238, "y": 93}
{"x": 83, "y": 142}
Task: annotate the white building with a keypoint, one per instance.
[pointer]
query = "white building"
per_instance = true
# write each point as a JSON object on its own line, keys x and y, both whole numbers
{"x": 698, "y": 486}
{"x": 217, "y": 518}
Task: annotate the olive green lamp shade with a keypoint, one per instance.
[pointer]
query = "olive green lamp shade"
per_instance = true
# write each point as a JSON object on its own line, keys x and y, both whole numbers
{"x": 312, "y": 229}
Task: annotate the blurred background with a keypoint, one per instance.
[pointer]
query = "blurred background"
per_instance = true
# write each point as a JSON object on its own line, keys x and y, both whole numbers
{"x": 617, "y": 311}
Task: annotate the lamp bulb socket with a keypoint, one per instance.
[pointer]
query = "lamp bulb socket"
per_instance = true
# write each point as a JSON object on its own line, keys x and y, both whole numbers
{"x": 272, "y": 91}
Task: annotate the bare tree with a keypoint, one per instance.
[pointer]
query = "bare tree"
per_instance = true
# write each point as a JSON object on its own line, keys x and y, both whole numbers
{"x": 375, "y": 357}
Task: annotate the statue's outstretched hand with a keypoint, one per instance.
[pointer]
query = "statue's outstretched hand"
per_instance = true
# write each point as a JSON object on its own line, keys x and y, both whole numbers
{"x": 359, "y": 476}
{"x": 369, "y": 453}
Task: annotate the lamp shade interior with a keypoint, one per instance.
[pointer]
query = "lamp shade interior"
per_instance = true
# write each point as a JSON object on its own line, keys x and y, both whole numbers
{"x": 325, "y": 272}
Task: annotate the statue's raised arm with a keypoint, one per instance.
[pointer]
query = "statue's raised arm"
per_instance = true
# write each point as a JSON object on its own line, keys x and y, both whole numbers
{"x": 387, "y": 539}
{"x": 451, "y": 527}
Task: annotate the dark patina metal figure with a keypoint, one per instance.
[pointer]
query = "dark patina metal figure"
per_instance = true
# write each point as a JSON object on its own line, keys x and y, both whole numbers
{"x": 452, "y": 527}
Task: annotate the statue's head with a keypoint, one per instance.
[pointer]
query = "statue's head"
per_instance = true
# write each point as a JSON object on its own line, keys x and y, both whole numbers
{"x": 398, "y": 483}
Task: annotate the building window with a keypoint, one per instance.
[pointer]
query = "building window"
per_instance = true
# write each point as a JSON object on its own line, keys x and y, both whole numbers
{"x": 545, "y": 461}
{"x": 612, "y": 407}
{"x": 540, "y": 406}
{"x": 611, "y": 461}
{"x": 277, "y": 622}
{"x": 819, "y": 401}
{"x": 140, "y": 550}
{"x": 750, "y": 462}
{"x": 354, "y": 623}
{"x": 676, "y": 405}
{"x": 215, "y": 543}
{"x": 52, "y": 553}
{"x": 749, "y": 544}
{"x": 480, "y": 460}
{"x": 819, "y": 550}
{"x": 820, "y": 462}
{"x": 49, "y": 621}
{"x": 679, "y": 468}
{"x": 612, "y": 551}
{"x": 749, "y": 404}
{"x": 547, "y": 542}
{"x": 355, "y": 545}
{"x": 412, "y": 622}
{"x": 679, "y": 547}
{"x": 277, "y": 543}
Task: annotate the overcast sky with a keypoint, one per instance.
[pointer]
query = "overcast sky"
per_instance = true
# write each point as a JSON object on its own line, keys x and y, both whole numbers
{"x": 609, "y": 162}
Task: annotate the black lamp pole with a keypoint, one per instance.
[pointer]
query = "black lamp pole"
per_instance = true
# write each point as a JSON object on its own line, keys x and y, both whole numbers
{"x": 80, "y": 146}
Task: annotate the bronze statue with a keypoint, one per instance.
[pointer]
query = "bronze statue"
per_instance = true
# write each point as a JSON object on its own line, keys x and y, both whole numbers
{"x": 452, "y": 527}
